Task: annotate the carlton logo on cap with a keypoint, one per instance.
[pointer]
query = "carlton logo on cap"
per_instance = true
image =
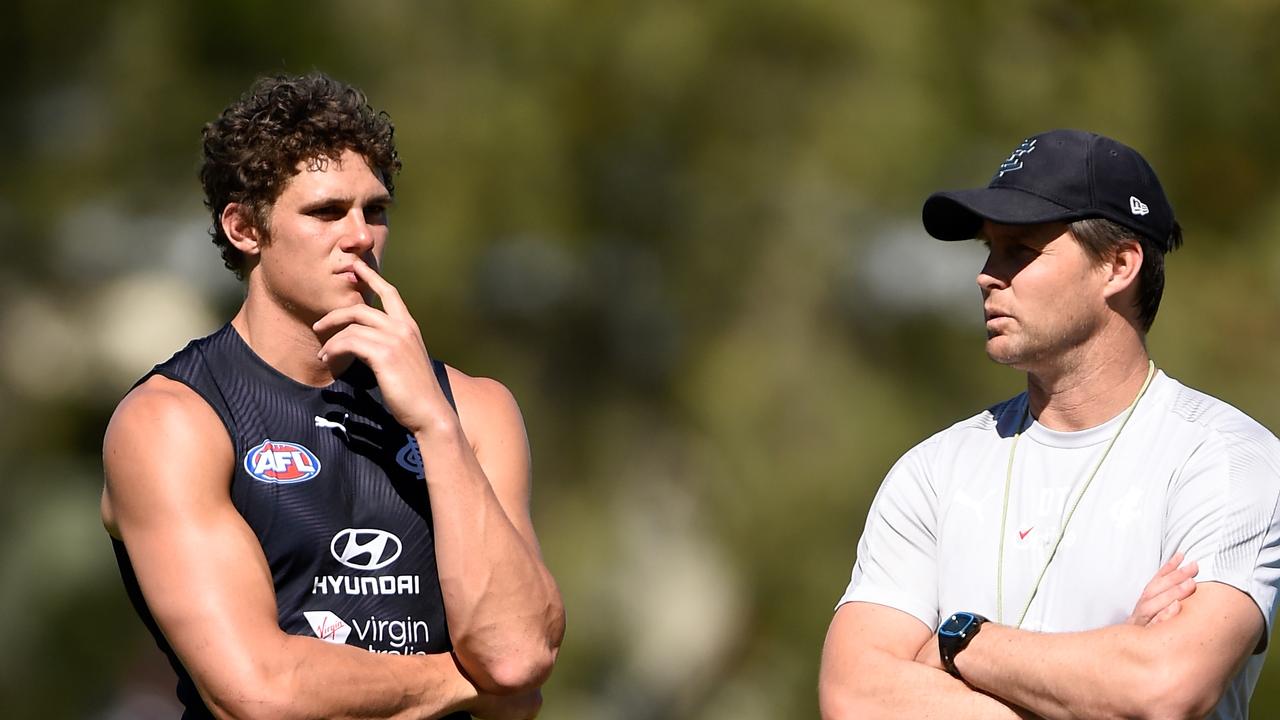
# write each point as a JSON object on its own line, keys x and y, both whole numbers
{"x": 1015, "y": 158}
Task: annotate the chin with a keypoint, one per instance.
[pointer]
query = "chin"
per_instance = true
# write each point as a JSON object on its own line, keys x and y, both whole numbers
{"x": 1002, "y": 352}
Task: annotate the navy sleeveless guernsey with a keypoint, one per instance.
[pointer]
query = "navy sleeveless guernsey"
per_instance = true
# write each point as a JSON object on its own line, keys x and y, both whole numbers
{"x": 334, "y": 489}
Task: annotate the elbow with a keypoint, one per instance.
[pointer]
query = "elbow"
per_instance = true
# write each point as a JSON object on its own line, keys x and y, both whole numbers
{"x": 248, "y": 707}
{"x": 515, "y": 673}
{"x": 1173, "y": 691}
{"x": 832, "y": 708}
{"x": 511, "y": 669}
{"x": 845, "y": 708}
{"x": 517, "y": 667}
{"x": 840, "y": 701}
{"x": 257, "y": 698}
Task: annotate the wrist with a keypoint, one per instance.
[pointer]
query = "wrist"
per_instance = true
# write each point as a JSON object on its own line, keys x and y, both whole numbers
{"x": 432, "y": 427}
{"x": 954, "y": 635}
{"x": 462, "y": 692}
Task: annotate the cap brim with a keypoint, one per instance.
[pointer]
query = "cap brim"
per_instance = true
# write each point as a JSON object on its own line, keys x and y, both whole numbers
{"x": 959, "y": 214}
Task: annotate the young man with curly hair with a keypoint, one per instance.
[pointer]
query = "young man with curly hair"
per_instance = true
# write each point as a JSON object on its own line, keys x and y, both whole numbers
{"x": 350, "y": 535}
{"x": 1103, "y": 545}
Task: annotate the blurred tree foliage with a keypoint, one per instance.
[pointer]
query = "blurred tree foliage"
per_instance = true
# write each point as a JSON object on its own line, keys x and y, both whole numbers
{"x": 685, "y": 234}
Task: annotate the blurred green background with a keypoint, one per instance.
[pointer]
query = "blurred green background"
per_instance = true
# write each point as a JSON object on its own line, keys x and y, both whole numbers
{"x": 685, "y": 234}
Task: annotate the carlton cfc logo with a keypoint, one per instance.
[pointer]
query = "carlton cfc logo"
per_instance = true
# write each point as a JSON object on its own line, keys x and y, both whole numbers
{"x": 281, "y": 462}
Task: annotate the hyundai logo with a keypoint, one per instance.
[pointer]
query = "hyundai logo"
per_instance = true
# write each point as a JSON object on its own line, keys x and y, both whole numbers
{"x": 365, "y": 548}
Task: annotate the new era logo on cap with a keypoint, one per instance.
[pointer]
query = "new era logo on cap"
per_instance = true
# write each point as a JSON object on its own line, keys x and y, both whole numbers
{"x": 1137, "y": 207}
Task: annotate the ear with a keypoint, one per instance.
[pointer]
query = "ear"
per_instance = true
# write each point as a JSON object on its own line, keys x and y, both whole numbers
{"x": 238, "y": 224}
{"x": 1123, "y": 268}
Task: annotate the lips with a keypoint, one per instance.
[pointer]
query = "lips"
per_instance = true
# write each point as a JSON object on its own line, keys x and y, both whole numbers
{"x": 993, "y": 314}
{"x": 994, "y": 322}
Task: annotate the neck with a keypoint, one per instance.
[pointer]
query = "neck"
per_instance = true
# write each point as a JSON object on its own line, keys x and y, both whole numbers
{"x": 1090, "y": 386}
{"x": 284, "y": 341}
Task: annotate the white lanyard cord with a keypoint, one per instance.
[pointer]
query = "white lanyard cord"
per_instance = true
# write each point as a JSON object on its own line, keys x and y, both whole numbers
{"x": 1008, "y": 483}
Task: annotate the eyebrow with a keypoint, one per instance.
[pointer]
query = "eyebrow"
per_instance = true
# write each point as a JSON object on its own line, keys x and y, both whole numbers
{"x": 1017, "y": 234}
{"x": 384, "y": 199}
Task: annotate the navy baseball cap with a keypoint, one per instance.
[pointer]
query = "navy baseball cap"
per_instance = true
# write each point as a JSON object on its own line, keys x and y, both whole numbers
{"x": 1059, "y": 176}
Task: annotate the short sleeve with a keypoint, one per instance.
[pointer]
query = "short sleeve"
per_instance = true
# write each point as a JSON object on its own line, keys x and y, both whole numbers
{"x": 896, "y": 563}
{"x": 1222, "y": 514}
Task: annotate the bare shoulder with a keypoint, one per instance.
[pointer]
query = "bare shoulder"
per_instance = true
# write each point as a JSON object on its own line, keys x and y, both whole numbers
{"x": 484, "y": 404}
{"x": 159, "y": 394}
{"x": 160, "y": 428}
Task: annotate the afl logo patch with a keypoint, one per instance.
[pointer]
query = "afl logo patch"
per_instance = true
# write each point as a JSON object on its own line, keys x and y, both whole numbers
{"x": 281, "y": 462}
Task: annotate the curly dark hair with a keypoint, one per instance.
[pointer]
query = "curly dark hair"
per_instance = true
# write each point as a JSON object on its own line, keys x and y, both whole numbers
{"x": 255, "y": 146}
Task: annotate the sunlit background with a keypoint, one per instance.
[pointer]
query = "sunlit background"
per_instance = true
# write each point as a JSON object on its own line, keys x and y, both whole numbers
{"x": 686, "y": 235}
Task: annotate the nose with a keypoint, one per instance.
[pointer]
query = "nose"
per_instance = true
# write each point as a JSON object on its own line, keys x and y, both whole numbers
{"x": 357, "y": 235}
{"x": 988, "y": 277}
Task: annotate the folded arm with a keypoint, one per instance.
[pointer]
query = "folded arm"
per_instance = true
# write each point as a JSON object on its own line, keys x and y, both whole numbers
{"x": 207, "y": 583}
{"x": 1176, "y": 668}
{"x": 505, "y": 616}
{"x": 869, "y": 671}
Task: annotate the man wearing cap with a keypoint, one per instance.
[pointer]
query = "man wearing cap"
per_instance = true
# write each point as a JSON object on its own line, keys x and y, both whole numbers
{"x": 1104, "y": 544}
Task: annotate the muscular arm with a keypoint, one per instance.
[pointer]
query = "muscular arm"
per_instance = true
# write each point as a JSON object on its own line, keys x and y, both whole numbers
{"x": 869, "y": 671}
{"x": 1171, "y": 669}
{"x": 207, "y": 583}
{"x": 505, "y": 615}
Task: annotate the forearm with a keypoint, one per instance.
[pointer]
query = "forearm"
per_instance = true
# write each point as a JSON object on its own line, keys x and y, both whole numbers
{"x": 883, "y": 686}
{"x": 504, "y": 611}
{"x": 308, "y": 678}
{"x": 1116, "y": 671}
{"x": 869, "y": 671}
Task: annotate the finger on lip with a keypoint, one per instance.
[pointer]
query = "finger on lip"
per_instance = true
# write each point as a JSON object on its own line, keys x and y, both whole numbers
{"x": 360, "y": 262}
{"x": 367, "y": 274}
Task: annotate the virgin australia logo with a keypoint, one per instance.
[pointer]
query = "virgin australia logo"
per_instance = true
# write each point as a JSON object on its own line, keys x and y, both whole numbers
{"x": 1015, "y": 158}
{"x": 327, "y": 626}
{"x": 410, "y": 457}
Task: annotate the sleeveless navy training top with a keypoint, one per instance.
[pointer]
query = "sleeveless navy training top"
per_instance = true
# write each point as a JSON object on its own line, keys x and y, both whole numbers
{"x": 334, "y": 489}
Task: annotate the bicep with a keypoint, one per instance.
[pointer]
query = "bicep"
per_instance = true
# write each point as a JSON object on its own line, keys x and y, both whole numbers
{"x": 1214, "y": 633}
{"x": 859, "y": 628}
{"x": 863, "y": 640}
{"x": 198, "y": 564}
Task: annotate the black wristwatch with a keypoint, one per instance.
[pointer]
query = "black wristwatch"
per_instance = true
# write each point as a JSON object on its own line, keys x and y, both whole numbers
{"x": 954, "y": 636}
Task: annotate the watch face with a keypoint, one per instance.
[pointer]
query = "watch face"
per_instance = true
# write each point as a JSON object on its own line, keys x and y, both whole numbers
{"x": 958, "y": 625}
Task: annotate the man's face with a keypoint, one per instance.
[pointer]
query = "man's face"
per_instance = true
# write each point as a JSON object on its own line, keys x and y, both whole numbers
{"x": 325, "y": 217}
{"x": 1042, "y": 296}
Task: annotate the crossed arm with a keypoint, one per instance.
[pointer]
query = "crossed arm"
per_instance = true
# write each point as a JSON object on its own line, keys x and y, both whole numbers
{"x": 1172, "y": 659}
{"x": 207, "y": 583}
{"x": 505, "y": 615}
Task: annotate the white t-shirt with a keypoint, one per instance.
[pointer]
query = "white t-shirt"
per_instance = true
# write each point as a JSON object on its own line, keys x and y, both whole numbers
{"x": 1189, "y": 473}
